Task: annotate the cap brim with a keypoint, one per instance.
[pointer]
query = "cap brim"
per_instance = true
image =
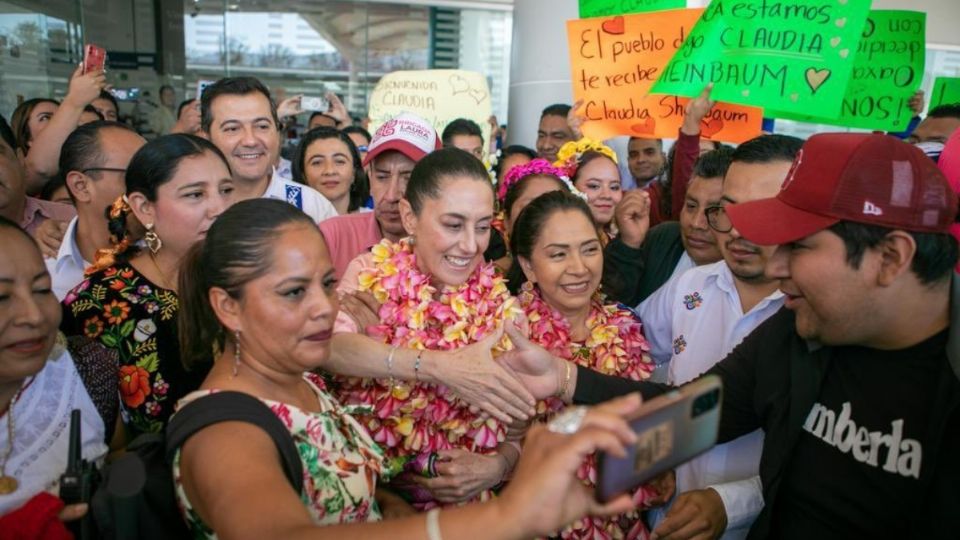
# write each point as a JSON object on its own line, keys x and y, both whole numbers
{"x": 769, "y": 222}
{"x": 403, "y": 147}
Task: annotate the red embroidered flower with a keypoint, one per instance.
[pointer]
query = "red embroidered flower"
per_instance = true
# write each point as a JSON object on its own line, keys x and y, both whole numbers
{"x": 134, "y": 385}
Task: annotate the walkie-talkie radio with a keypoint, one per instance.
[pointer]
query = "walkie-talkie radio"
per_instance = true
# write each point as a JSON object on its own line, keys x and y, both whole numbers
{"x": 79, "y": 480}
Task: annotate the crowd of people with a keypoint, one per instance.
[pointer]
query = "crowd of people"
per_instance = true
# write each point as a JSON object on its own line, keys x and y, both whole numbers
{"x": 419, "y": 321}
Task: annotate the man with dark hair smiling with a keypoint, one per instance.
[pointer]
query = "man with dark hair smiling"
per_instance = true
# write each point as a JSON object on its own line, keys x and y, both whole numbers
{"x": 856, "y": 383}
{"x": 239, "y": 117}
{"x": 553, "y": 131}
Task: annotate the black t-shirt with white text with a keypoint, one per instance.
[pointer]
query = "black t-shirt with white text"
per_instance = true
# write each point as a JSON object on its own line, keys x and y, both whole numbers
{"x": 855, "y": 470}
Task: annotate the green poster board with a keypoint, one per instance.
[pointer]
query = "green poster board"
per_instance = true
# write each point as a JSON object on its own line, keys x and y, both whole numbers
{"x": 945, "y": 90}
{"x": 602, "y": 8}
{"x": 794, "y": 57}
{"x": 887, "y": 71}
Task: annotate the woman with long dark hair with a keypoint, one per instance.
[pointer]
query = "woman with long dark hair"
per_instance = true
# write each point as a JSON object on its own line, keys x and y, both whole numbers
{"x": 176, "y": 186}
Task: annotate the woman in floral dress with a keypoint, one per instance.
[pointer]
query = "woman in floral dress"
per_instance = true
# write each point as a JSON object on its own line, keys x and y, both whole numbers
{"x": 176, "y": 186}
{"x": 558, "y": 269}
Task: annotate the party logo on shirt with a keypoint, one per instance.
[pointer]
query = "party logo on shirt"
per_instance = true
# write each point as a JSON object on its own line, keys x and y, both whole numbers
{"x": 295, "y": 196}
{"x": 679, "y": 344}
{"x": 692, "y": 301}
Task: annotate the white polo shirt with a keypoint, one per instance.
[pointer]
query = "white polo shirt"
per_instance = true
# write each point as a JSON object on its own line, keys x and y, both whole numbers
{"x": 693, "y": 322}
{"x": 66, "y": 270}
{"x": 302, "y": 196}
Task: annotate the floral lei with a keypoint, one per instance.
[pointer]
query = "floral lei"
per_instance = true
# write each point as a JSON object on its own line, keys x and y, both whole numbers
{"x": 538, "y": 166}
{"x": 570, "y": 154}
{"x": 616, "y": 346}
{"x": 417, "y": 418}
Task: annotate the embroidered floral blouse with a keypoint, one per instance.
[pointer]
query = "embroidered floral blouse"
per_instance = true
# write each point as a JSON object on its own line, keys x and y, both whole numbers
{"x": 341, "y": 462}
{"x": 123, "y": 310}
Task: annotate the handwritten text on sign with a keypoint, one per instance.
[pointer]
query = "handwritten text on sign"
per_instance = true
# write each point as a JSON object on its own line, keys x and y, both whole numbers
{"x": 615, "y": 61}
{"x": 946, "y": 91}
{"x": 602, "y": 8}
{"x": 888, "y": 69}
{"x": 791, "y": 56}
{"x": 436, "y": 95}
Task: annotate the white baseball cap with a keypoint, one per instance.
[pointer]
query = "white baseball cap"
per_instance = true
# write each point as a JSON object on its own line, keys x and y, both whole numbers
{"x": 406, "y": 133}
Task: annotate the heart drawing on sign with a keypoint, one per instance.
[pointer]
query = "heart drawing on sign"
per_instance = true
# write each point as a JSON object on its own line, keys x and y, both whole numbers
{"x": 477, "y": 95}
{"x": 645, "y": 128}
{"x": 459, "y": 84}
{"x": 834, "y": 41}
{"x": 816, "y": 78}
{"x": 841, "y": 22}
{"x": 614, "y": 26}
{"x": 709, "y": 128}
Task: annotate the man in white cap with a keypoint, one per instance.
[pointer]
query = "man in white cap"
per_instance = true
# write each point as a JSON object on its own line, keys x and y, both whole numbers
{"x": 396, "y": 147}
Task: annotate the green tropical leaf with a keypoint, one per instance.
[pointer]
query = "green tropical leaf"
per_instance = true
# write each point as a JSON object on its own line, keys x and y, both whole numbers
{"x": 109, "y": 340}
{"x": 149, "y": 362}
{"x": 127, "y": 328}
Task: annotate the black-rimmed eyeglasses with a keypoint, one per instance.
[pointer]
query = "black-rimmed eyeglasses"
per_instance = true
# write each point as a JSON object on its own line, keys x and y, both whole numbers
{"x": 718, "y": 219}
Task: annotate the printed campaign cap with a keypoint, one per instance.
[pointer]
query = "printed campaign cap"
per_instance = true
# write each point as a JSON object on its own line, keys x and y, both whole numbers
{"x": 406, "y": 133}
{"x": 866, "y": 178}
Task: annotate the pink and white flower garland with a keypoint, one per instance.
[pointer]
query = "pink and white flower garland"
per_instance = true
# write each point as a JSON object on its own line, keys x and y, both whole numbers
{"x": 616, "y": 346}
{"x": 415, "y": 418}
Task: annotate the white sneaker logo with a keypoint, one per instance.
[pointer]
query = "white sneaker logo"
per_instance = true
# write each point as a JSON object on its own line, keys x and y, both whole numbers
{"x": 871, "y": 209}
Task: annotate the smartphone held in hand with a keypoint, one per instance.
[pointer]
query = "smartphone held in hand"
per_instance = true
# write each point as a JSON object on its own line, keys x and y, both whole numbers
{"x": 94, "y": 58}
{"x": 314, "y": 103}
{"x": 671, "y": 429}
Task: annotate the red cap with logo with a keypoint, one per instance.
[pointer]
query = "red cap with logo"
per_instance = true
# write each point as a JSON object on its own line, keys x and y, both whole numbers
{"x": 406, "y": 133}
{"x": 860, "y": 177}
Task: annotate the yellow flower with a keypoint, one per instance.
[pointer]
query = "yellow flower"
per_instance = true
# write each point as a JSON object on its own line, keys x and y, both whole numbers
{"x": 367, "y": 279}
{"x": 575, "y": 149}
{"x": 459, "y": 306}
{"x": 381, "y": 252}
{"x": 400, "y": 391}
{"x": 405, "y": 426}
{"x": 455, "y": 332}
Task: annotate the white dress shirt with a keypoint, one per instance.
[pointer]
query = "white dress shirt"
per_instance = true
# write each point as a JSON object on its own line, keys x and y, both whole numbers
{"x": 302, "y": 196}
{"x": 693, "y": 322}
{"x": 66, "y": 269}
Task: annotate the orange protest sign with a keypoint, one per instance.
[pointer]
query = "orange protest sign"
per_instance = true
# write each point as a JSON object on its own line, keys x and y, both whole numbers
{"x": 616, "y": 60}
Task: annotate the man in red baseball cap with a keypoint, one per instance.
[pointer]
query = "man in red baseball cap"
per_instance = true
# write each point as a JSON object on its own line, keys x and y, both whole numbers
{"x": 396, "y": 147}
{"x": 856, "y": 383}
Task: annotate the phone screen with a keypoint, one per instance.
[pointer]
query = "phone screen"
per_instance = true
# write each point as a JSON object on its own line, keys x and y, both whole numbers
{"x": 94, "y": 58}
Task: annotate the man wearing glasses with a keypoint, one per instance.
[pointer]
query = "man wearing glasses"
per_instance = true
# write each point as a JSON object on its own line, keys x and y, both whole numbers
{"x": 698, "y": 317}
{"x": 93, "y": 160}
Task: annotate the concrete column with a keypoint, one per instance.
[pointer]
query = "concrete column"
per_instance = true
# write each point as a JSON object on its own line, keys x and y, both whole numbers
{"x": 539, "y": 64}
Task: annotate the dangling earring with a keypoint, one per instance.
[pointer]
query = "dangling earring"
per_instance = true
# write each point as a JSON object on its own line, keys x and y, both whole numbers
{"x": 412, "y": 240}
{"x": 153, "y": 241}
{"x": 236, "y": 351}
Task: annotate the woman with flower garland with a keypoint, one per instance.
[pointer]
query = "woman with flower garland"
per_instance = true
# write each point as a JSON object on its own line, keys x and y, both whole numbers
{"x": 435, "y": 293}
{"x": 559, "y": 262}
{"x": 260, "y": 291}
{"x": 176, "y": 186}
{"x": 592, "y": 166}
